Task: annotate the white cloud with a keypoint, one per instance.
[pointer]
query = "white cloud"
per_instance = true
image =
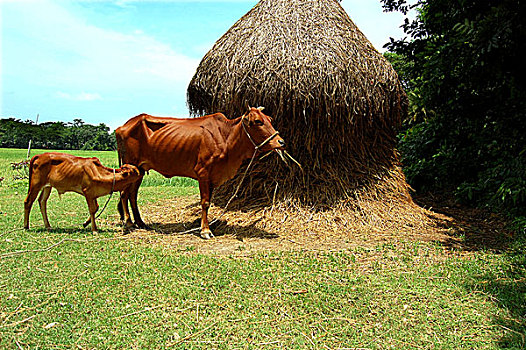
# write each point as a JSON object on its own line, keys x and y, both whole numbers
{"x": 60, "y": 48}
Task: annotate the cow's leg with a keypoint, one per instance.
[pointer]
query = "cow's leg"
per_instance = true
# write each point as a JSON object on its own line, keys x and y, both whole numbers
{"x": 93, "y": 206}
{"x": 120, "y": 205}
{"x": 42, "y": 200}
{"x": 134, "y": 191}
{"x": 123, "y": 208}
{"x": 205, "y": 188}
{"x": 28, "y": 203}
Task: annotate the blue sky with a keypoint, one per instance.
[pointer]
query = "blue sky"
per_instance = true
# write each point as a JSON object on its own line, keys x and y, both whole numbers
{"x": 107, "y": 61}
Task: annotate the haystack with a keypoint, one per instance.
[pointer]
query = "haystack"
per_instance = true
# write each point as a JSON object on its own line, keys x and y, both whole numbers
{"x": 334, "y": 98}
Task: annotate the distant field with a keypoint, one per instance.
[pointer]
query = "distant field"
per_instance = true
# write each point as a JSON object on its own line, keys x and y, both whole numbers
{"x": 66, "y": 288}
{"x": 108, "y": 158}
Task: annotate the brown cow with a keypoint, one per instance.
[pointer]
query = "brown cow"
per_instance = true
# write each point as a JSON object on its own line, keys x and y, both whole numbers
{"x": 209, "y": 149}
{"x": 68, "y": 173}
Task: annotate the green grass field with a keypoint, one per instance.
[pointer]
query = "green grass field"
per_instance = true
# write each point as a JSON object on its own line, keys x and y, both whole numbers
{"x": 66, "y": 288}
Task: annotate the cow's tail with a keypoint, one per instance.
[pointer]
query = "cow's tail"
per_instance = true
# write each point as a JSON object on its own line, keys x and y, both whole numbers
{"x": 120, "y": 148}
{"x": 120, "y": 154}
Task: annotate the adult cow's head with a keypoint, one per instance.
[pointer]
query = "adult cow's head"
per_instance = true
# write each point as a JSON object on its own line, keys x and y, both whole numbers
{"x": 260, "y": 131}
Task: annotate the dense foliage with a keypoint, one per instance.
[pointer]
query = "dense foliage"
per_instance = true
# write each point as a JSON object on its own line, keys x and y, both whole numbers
{"x": 15, "y": 133}
{"x": 462, "y": 67}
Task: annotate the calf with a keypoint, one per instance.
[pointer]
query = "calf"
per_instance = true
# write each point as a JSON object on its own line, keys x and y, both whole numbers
{"x": 67, "y": 173}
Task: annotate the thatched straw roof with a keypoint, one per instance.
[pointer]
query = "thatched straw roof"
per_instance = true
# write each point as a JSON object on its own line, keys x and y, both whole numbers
{"x": 334, "y": 98}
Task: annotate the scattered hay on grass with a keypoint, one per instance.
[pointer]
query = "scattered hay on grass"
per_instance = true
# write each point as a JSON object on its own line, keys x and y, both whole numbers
{"x": 251, "y": 227}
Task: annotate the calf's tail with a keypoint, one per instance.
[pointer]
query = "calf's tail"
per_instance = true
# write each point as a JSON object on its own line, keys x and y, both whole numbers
{"x": 31, "y": 165}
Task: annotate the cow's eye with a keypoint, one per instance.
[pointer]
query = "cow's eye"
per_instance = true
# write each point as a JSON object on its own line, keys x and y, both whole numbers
{"x": 258, "y": 122}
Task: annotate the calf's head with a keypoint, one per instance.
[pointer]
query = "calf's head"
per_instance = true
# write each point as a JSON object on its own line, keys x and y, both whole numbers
{"x": 126, "y": 175}
{"x": 260, "y": 130}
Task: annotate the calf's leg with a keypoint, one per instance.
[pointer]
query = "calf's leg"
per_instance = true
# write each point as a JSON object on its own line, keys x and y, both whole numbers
{"x": 87, "y": 222}
{"x": 42, "y": 200}
{"x": 28, "y": 203}
{"x": 93, "y": 206}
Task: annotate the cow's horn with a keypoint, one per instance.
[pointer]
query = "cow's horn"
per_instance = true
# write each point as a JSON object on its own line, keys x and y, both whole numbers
{"x": 261, "y": 108}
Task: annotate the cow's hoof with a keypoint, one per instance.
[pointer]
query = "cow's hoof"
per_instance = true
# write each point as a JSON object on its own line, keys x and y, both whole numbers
{"x": 206, "y": 234}
{"x": 142, "y": 225}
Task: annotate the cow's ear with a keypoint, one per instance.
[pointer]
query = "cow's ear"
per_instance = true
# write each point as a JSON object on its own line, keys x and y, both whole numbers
{"x": 251, "y": 118}
{"x": 248, "y": 117}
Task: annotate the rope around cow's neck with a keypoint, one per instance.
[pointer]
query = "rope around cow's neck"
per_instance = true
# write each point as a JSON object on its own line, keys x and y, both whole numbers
{"x": 111, "y": 194}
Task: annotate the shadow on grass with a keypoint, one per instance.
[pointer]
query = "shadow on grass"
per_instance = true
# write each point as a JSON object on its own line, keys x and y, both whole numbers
{"x": 506, "y": 284}
{"x": 469, "y": 229}
{"x": 219, "y": 228}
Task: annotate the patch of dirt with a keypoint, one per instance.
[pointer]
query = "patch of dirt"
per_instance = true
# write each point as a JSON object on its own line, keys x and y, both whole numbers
{"x": 253, "y": 229}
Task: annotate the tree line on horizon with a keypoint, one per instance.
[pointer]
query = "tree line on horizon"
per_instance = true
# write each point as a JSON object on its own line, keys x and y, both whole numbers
{"x": 78, "y": 135}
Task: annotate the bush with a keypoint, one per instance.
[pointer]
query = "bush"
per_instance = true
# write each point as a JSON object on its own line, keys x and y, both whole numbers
{"x": 464, "y": 74}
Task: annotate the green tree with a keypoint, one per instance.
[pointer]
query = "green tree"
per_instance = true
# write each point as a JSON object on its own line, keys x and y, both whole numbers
{"x": 465, "y": 78}
{"x": 52, "y": 135}
{"x": 15, "y": 133}
{"x": 100, "y": 138}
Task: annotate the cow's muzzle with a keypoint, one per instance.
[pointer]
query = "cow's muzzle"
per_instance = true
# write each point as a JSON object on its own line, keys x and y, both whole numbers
{"x": 270, "y": 138}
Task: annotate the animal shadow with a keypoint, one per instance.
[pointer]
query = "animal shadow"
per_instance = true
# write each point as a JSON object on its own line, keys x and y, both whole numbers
{"x": 219, "y": 228}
